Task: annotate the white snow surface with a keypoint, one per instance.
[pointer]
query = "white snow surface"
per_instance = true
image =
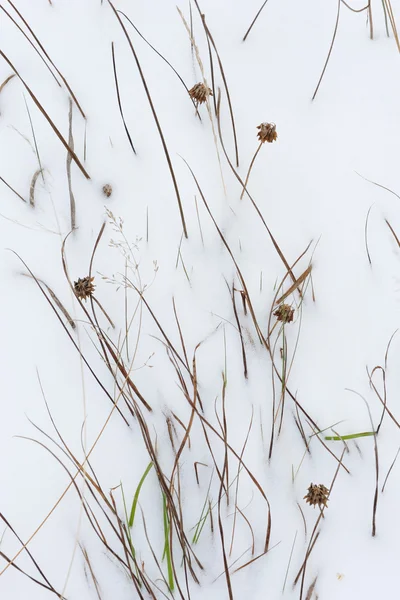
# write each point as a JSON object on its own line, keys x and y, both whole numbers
{"x": 310, "y": 186}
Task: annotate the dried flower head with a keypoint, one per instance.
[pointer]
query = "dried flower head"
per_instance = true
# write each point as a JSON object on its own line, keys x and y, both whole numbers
{"x": 267, "y": 132}
{"x": 284, "y": 313}
{"x": 84, "y": 287}
{"x": 200, "y": 93}
{"x": 107, "y": 190}
{"x": 317, "y": 495}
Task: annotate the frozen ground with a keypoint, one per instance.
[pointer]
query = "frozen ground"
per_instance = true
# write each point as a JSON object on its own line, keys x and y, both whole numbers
{"x": 310, "y": 187}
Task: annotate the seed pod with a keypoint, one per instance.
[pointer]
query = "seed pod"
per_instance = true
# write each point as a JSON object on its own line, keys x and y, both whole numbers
{"x": 84, "y": 288}
{"x": 107, "y": 190}
{"x": 200, "y": 93}
{"x": 267, "y": 132}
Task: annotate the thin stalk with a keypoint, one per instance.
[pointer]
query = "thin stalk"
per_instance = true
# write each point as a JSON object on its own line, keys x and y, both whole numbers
{"x": 249, "y": 171}
{"x": 136, "y": 496}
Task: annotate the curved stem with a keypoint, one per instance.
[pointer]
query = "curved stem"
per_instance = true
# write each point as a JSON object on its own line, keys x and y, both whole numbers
{"x": 330, "y": 50}
{"x": 249, "y": 171}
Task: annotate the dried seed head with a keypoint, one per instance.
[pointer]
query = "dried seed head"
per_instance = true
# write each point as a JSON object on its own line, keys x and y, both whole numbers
{"x": 107, "y": 190}
{"x": 200, "y": 93}
{"x": 267, "y": 132}
{"x": 84, "y": 288}
{"x": 284, "y": 313}
{"x": 317, "y": 495}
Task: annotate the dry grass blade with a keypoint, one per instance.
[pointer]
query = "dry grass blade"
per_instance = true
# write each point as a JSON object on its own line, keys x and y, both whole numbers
{"x": 311, "y": 589}
{"x": 386, "y": 17}
{"x": 92, "y": 574}
{"x": 56, "y": 300}
{"x": 224, "y": 429}
{"x": 164, "y": 145}
{"x": 244, "y": 357}
{"x": 105, "y": 344}
{"x": 195, "y": 465}
{"x": 48, "y": 57}
{"x": 228, "y": 96}
{"x": 205, "y": 97}
{"x": 371, "y": 25}
{"x": 309, "y": 550}
{"x": 119, "y": 99}
{"x": 389, "y": 471}
{"x": 153, "y": 553}
{"x": 330, "y": 50}
{"x": 376, "y": 492}
{"x": 283, "y": 373}
{"x": 12, "y": 189}
{"x": 38, "y": 568}
{"x": 366, "y": 234}
{"x": 222, "y": 536}
{"x": 72, "y": 483}
{"x": 356, "y": 10}
{"x": 40, "y": 583}
{"x": 384, "y": 399}
{"x": 393, "y": 232}
{"x": 237, "y": 491}
{"x": 126, "y": 548}
{"x": 30, "y": 42}
{"x": 254, "y": 20}
{"x": 164, "y": 59}
{"x": 295, "y": 285}
{"x": 169, "y": 344}
{"x": 289, "y": 562}
{"x": 220, "y": 494}
{"x": 304, "y": 519}
{"x": 250, "y": 562}
{"x": 387, "y": 6}
{"x": 93, "y": 486}
{"x": 321, "y": 441}
{"x": 191, "y": 419}
{"x": 253, "y": 537}
{"x": 180, "y": 333}
{"x": 181, "y": 423}
{"x": 258, "y": 329}
{"x": 47, "y": 117}
{"x": 71, "y": 338}
{"x": 378, "y": 185}
{"x": 206, "y": 423}
{"x": 34, "y": 138}
{"x": 97, "y": 242}
{"x": 3, "y": 85}
{"x": 72, "y": 206}
{"x": 300, "y": 427}
{"x": 388, "y": 347}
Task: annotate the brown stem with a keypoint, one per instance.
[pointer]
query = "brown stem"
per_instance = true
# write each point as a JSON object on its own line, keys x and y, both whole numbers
{"x": 249, "y": 171}
{"x": 330, "y": 50}
{"x": 371, "y": 25}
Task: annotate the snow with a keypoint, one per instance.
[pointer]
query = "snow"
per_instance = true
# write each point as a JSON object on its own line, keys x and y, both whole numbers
{"x": 312, "y": 185}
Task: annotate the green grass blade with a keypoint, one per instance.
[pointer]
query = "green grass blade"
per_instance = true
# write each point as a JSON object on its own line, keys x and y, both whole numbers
{"x": 136, "y": 496}
{"x": 167, "y": 549}
{"x": 201, "y": 522}
{"x": 203, "y": 517}
{"x": 128, "y": 533}
{"x": 351, "y": 436}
